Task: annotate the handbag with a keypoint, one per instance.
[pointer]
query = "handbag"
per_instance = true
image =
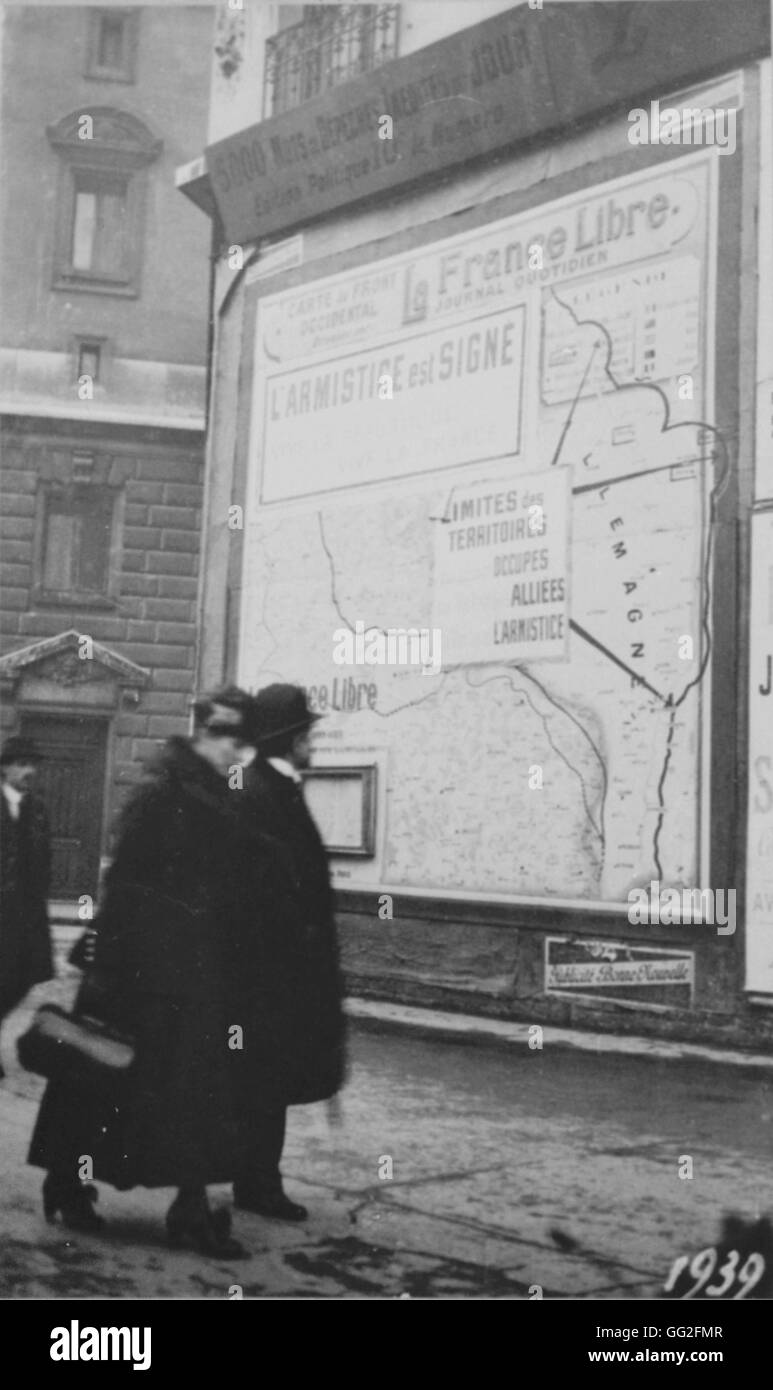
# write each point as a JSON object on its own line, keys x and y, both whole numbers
{"x": 84, "y": 1048}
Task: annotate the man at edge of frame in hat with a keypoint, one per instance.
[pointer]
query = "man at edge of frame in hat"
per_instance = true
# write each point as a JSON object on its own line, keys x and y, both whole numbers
{"x": 25, "y": 876}
{"x": 292, "y": 1003}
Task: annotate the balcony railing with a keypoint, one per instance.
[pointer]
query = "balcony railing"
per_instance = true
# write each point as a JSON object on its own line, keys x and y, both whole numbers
{"x": 332, "y": 44}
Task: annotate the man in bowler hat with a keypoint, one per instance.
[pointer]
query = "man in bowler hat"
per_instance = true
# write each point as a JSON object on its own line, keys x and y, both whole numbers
{"x": 293, "y": 1050}
{"x": 25, "y": 875}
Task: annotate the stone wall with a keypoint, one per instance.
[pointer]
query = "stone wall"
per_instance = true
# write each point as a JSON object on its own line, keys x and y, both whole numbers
{"x": 151, "y": 620}
{"x": 489, "y": 960}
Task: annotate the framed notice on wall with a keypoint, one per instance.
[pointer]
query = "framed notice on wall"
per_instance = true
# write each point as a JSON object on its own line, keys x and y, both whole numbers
{"x": 342, "y": 801}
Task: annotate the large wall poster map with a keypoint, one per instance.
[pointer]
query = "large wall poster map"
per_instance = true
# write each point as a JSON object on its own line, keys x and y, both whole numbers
{"x": 596, "y": 364}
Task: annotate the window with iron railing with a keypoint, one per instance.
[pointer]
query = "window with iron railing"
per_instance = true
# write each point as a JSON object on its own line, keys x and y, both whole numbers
{"x": 332, "y": 44}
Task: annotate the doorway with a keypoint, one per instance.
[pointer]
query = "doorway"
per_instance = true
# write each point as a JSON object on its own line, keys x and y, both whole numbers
{"x": 71, "y": 782}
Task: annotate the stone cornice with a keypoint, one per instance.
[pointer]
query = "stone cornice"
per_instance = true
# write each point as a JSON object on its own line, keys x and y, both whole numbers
{"x": 60, "y": 651}
{"x": 118, "y": 139}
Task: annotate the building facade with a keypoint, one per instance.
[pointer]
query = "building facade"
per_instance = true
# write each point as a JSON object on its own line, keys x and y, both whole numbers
{"x": 489, "y": 474}
{"x": 102, "y": 393}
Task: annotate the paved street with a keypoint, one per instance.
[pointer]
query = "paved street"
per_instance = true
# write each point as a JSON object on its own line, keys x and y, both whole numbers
{"x": 510, "y": 1168}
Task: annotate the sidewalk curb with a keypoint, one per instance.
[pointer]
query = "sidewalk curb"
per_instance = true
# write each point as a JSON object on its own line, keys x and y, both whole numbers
{"x": 471, "y": 1028}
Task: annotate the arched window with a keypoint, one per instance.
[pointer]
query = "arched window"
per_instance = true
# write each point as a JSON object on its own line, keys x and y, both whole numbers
{"x": 104, "y": 155}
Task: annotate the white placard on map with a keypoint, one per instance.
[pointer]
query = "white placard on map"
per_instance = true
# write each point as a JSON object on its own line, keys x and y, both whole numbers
{"x": 501, "y": 582}
{"x": 447, "y": 396}
{"x": 426, "y": 360}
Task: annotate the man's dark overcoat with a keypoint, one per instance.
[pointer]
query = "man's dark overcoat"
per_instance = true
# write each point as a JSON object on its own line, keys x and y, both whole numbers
{"x": 167, "y": 950}
{"x": 25, "y": 877}
{"x": 291, "y": 983}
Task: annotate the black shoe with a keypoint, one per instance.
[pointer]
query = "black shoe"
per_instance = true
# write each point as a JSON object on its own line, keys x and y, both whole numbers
{"x": 274, "y": 1204}
{"x": 74, "y": 1201}
{"x": 198, "y": 1228}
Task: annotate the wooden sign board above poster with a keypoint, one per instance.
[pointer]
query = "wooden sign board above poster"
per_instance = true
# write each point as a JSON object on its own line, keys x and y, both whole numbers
{"x": 518, "y": 75}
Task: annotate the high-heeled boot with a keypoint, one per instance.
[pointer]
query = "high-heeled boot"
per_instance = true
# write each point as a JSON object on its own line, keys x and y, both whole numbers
{"x": 73, "y": 1200}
